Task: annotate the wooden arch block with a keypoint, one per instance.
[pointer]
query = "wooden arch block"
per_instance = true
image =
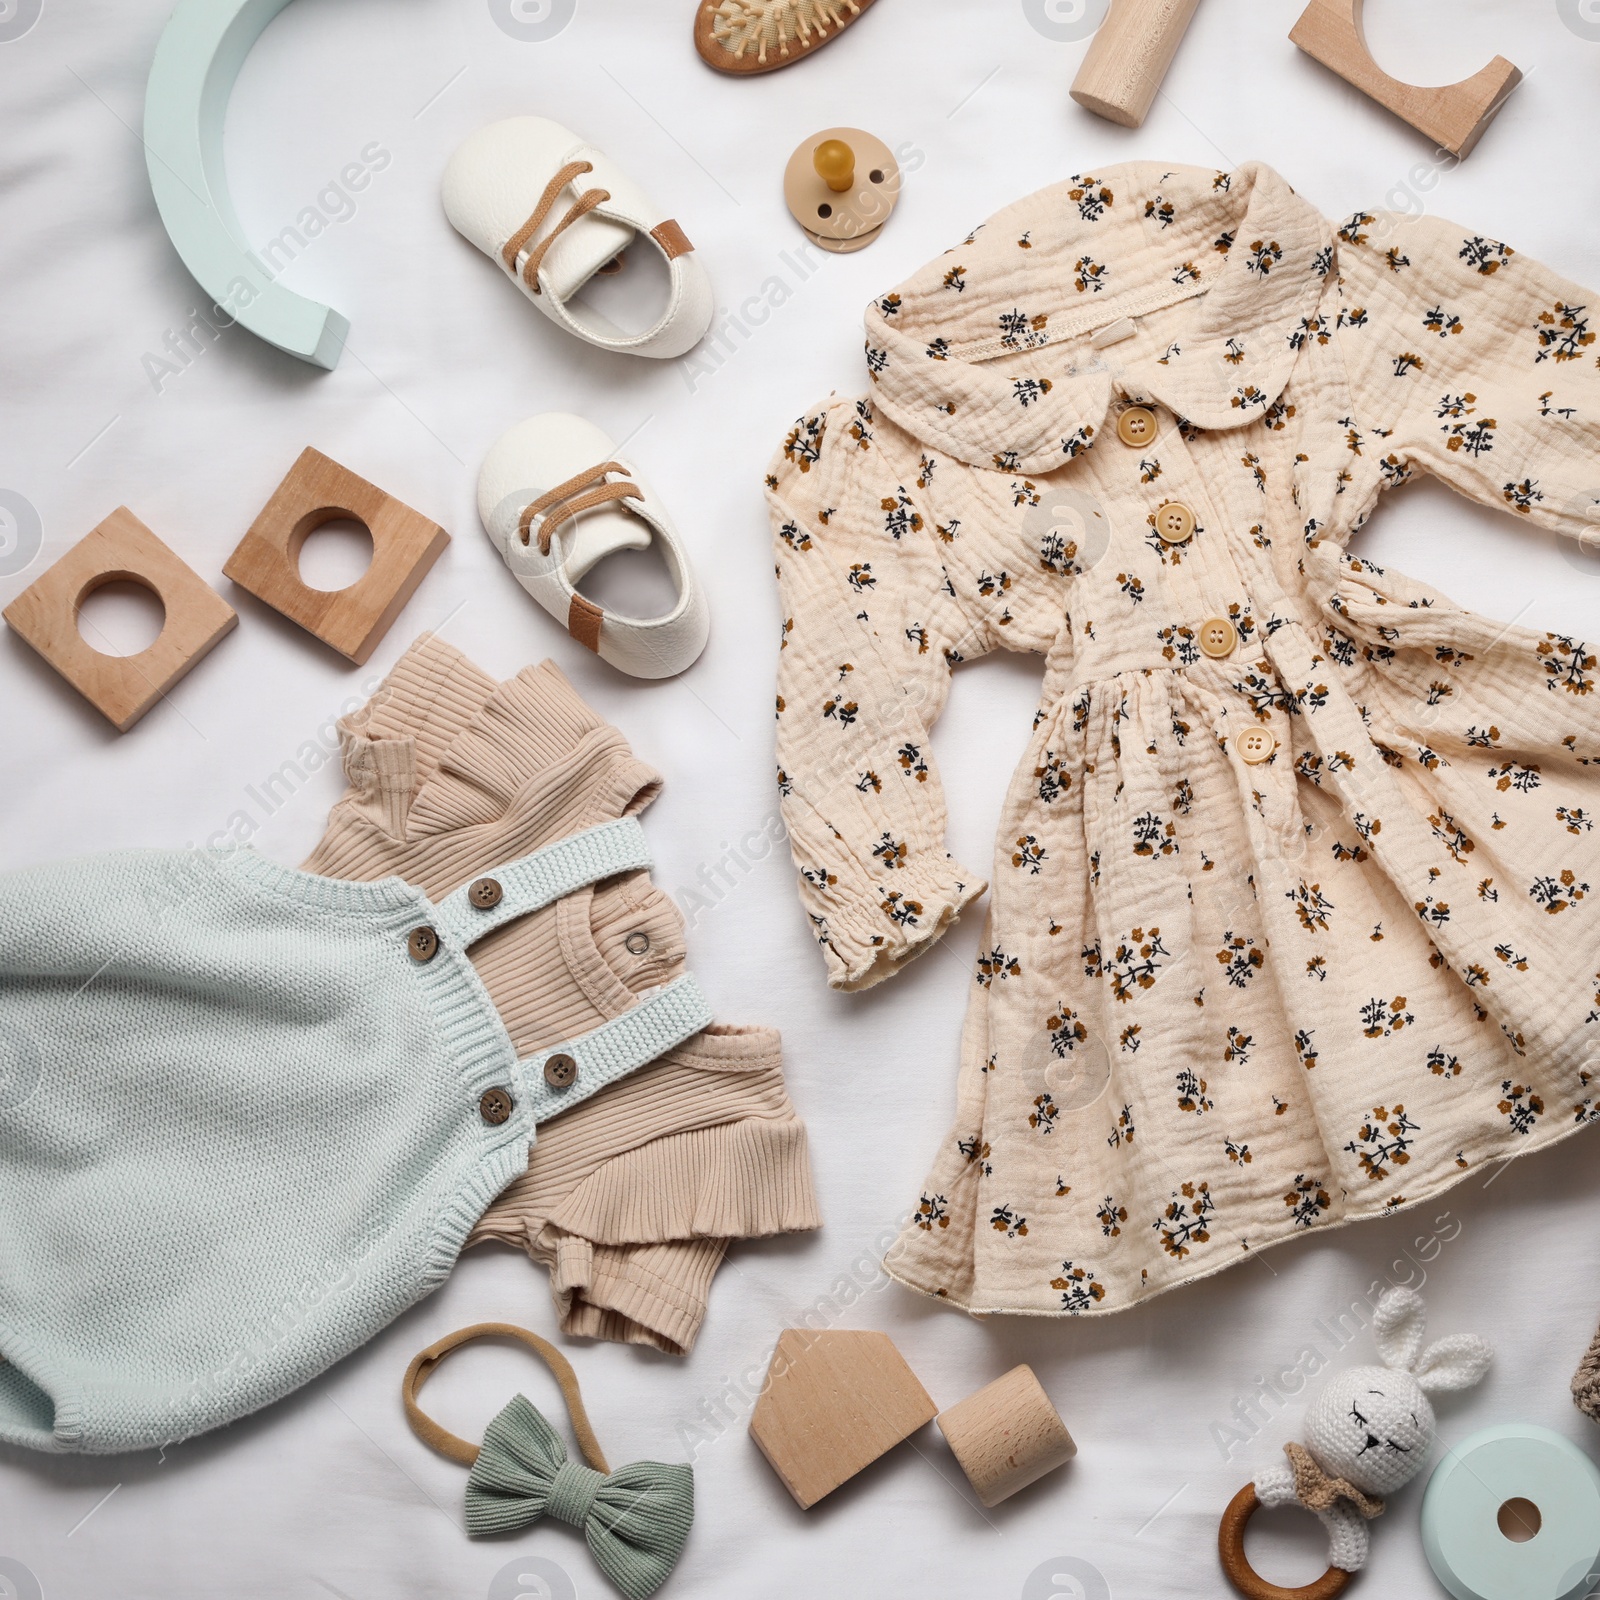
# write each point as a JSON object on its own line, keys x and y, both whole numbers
{"x": 832, "y": 1404}
{"x": 1453, "y": 115}
{"x": 405, "y": 544}
{"x": 185, "y": 109}
{"x": 1007, "y": 1435}
{"x": 122, "y": 687}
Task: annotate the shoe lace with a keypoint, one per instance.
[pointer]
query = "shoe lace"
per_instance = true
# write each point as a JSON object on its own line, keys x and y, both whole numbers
{"x": 581, "y": 207}
{"x": 583, "y": 491}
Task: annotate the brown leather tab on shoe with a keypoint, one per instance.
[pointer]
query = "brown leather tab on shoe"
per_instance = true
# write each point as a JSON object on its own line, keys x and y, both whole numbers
{"x": 583, "y": 623}
{"x": 672, "y": 239}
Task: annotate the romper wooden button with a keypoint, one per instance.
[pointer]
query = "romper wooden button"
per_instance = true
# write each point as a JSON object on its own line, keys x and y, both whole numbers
{"x": 1137, "y": 426}
{"x": 560, "y": 1071}
{"x": 423, "y": 943}
{"x": 1218, "y": 636}
{"x": 486, "y": 893}
{"x": 637, "y": 943}
{"x": 1255, "y": 745}
{"x": 495, "y": 1107}
{"x": 1174, "y": 522}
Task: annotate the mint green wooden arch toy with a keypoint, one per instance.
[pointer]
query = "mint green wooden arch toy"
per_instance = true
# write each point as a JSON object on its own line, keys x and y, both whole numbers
{"x": 1513, "y": 1513}
{"x": 185, "y": 108}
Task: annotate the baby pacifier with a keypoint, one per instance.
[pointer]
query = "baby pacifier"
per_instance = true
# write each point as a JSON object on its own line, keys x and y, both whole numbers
{"x": 840, "y": 185}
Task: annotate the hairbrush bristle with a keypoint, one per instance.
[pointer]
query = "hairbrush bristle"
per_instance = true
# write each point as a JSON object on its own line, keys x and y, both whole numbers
{"x": 763, "y": 26}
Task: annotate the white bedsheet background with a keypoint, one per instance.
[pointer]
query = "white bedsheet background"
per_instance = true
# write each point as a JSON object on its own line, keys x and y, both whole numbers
{"x": 328, "y": 1493}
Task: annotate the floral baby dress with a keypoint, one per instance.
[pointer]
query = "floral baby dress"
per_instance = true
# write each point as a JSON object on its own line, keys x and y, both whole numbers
{"x": 1296, "y": 891}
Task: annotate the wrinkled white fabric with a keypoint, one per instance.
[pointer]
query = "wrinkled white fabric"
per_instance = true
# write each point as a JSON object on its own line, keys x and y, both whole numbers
{"x": 329, "y": 1491}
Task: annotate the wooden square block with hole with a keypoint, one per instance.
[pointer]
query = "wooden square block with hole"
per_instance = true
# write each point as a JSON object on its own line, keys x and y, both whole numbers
{"x": 832, "y": 1404}
{"x": 405, "y": 544}
{"x": 121, "y": 548}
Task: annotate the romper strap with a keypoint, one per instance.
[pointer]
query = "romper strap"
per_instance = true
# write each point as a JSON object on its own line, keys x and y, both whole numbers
{"x": 513, "y": 890}
{"x": 566, "y": 1074}
{"x": 559, "y": 1078}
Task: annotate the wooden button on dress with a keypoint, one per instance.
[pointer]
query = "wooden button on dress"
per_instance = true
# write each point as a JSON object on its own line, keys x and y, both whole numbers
{"x": 1137, "y": 426}
{"x": 560, "y": 1070}
{"x": 1174, "y": 522}
{"x": 1218, "y": 636}
{"x": 495, "y": 1106}
{"x": 422, "y": 943}
{"x": 1254, "y": 745}
{"x": 486, "y": 893}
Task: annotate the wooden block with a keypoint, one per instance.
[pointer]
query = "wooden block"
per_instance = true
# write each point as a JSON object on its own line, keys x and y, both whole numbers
{"x": 1129, "y": 56}
{"x": 122, "y": 687}
{"x": 832, "y": 1404}
{"x": 185, "y": 108}
{"x": 404, "y": 546}
{"x": 1453, "y": 115}
{"x": 1007, "y": 1435}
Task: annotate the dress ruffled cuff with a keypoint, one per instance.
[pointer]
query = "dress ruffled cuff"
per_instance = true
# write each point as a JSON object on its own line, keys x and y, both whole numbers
{"x": 867, "y": 935}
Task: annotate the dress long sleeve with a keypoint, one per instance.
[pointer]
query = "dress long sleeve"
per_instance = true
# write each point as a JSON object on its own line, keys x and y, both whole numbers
{"x": 872, "y": 627}
{"x": 1474, "y": 363}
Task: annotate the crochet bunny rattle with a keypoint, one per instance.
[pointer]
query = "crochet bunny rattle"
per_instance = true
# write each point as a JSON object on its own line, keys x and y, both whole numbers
{"x": 1367, "y": 1434}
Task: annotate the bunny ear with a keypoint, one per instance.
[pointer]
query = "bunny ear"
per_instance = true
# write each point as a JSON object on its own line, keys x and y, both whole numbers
{"x": 1458, "y": 1362}
{"x": 1397, "y": 1326}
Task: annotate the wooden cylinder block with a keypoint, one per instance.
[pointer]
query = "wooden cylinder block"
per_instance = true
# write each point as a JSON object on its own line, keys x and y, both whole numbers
{"x": 1007, "y": 1435}
{"x": 1129, "y": 56}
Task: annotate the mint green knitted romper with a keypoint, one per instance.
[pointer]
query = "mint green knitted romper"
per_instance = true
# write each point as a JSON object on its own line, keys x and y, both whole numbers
{"x": 248, "y": 1116}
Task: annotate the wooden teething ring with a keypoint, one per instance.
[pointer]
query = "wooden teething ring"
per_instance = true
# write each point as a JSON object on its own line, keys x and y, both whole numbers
{"x": 1244, "y": 1577}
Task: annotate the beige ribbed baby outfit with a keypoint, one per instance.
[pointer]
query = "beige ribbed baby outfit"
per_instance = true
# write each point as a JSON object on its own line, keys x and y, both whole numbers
{"x": 631, "y": 1197}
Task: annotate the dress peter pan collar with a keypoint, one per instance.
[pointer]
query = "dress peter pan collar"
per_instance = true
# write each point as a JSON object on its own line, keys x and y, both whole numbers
{"x": 1080, "y": 257}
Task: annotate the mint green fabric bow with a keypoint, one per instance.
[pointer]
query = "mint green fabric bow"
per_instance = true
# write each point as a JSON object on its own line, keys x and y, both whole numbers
{"x": 636, "y": 1519}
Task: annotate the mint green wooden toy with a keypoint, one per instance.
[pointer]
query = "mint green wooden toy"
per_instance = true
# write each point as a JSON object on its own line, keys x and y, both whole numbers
{"x": 1513, "y": 1513}
{"x": 185, "y": 108}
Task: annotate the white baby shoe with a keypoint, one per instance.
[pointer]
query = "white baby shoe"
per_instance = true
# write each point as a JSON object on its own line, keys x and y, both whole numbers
{"x": 555, "y": 500}
{"x": 512, "y": 188}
